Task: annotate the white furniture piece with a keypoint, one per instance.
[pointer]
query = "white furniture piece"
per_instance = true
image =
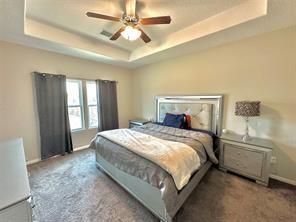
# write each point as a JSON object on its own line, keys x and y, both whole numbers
{"x": 137, "y": 122}
{"x": 250, "y": 158}
{"x": 15, "y": 200}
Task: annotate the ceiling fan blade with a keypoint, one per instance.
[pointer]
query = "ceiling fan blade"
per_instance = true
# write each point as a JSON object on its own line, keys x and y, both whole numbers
{"x": 144, "y": 36}
{"x": 130, "y": 7}
{"x": 116, "y": 35}
{"x": 100, "y": 16}
{"x": 156, "y": 20}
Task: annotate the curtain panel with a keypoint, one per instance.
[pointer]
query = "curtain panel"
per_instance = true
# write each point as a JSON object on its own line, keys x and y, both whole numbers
{"x": 55, "y": 132}
{"x": 107, "y": 105}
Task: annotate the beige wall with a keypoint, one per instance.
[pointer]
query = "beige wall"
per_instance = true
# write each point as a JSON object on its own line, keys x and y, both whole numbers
{"x": 259, "y": 68}
{"x": 18, "y": 116}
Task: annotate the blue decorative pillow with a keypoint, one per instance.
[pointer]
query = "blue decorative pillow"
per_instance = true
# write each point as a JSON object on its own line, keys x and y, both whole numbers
{"x": 173, "y": 120}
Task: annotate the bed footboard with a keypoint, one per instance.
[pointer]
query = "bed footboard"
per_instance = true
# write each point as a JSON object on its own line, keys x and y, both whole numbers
{"x": 146, "y": 194}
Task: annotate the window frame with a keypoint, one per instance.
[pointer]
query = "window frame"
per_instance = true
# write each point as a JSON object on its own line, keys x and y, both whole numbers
{"x": 81, "y": 104}
{"x": 84, "y": 106}
{"x": 90, "y": 105}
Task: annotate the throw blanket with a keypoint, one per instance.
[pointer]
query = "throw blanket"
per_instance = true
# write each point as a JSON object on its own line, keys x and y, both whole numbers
{"x": 178, "y": 159}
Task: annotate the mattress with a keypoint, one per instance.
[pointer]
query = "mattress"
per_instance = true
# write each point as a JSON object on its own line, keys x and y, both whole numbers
{"x": 137, "y": 166}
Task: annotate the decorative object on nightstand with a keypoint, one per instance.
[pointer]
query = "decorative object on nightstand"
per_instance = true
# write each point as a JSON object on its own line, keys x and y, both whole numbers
{"x": 250, "y": 158}
{"x": 138, "y": 122}
{"x": 247, "y": 109}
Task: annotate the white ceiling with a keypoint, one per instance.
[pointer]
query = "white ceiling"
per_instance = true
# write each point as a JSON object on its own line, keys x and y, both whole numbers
{"x": 61, "y": 26}
{"x": 70, "y": 15}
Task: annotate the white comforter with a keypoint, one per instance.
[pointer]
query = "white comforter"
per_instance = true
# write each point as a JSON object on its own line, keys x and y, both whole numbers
{"x": 178, "y": 159}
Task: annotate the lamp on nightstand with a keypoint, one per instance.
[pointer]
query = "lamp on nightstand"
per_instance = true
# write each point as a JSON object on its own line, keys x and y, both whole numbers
{"x": 247, "y": 109}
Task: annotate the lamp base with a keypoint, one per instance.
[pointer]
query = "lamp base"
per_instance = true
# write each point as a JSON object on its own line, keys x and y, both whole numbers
{"x": 246, "y": 138}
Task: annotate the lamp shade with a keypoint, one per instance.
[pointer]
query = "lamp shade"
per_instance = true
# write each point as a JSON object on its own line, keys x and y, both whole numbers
{"x": 247, "y": 108}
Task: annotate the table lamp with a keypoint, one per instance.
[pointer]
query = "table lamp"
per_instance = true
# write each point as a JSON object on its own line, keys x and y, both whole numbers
{"x": 247, "y": 109}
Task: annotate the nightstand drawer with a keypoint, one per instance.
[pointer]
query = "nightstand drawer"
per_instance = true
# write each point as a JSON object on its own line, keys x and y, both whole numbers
{"x": 132, "y": 125}
{"x": 247, "y": 161}
{"x": 248, "y": 158}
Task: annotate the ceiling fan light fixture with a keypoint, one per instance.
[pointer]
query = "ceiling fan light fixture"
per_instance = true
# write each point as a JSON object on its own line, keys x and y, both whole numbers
{"x": 131, "y": 33}
{"x": 131, "y": 23}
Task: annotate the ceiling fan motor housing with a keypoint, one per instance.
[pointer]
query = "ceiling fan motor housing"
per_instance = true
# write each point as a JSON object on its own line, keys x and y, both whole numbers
{"x": 129, "y": 20}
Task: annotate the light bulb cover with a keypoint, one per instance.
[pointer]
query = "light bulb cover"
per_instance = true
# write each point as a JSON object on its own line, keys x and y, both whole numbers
{"x": 131, "y": 33}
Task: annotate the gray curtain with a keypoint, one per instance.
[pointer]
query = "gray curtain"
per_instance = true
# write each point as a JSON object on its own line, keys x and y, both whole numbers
{"x": 107, "y": 105}
{"x": 52, "y": 106}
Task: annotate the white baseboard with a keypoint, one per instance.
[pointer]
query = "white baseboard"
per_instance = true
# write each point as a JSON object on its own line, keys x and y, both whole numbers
{"x": 33, "y": 161}
{"x": 29, "y": 162}
{"x": 282, "y": 179}
{"x": 81, "y": 148}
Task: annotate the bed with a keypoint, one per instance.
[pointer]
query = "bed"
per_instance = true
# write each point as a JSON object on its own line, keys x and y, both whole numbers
{"x": 156, "y": 187}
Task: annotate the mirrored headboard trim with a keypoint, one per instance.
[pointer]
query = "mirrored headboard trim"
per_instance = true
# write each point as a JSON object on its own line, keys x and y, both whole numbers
{"x": 216, "y": 100}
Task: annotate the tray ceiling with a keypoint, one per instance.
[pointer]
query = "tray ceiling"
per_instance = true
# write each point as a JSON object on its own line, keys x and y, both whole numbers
{"x": 61, "y": 25}
{"x": 70, "y": 15}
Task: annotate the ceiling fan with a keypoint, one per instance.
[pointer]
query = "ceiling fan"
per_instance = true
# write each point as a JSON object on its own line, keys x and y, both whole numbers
{"x": 131, "y": 29}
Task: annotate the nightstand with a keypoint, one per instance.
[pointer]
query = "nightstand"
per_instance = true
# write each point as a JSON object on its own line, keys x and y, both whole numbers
{"x": 137, "y": 122}
{"x": 250, "y": 159}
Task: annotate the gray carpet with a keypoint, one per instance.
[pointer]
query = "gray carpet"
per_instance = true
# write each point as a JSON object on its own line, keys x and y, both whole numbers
{"x": 71, "y": 188}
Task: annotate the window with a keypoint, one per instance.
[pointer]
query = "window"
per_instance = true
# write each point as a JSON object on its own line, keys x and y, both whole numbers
{"x": 92, "y": 104}
{"x": 82, "y": 104}
{"x": 75, "y": 104}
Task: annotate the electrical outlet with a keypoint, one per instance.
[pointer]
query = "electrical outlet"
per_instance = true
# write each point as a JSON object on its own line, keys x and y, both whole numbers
{"x": 273, "y": 160}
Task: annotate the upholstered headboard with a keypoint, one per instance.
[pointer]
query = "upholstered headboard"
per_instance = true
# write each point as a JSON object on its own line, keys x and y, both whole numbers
{"x": 205, "y": 111}
{"x": 200, "y": 113}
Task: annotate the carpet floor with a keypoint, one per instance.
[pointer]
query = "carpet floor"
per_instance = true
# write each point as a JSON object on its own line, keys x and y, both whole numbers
{"x": 71, "y": 188}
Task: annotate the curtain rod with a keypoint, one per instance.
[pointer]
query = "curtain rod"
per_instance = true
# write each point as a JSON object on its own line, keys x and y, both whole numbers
{"x": 68, "y": 77}
{"x": 90, "y": 79}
